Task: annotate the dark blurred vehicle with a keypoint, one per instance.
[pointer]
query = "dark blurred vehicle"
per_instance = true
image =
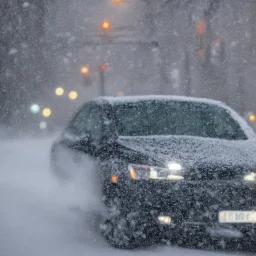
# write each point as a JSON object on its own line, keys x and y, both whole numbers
{"x": 164, "y": 165}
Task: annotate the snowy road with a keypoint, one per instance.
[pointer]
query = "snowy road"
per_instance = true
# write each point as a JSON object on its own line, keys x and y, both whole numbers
{"x": 37, "y": 216}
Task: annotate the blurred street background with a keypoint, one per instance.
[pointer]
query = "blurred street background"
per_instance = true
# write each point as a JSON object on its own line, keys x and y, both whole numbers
{"x": 55, "y": 55}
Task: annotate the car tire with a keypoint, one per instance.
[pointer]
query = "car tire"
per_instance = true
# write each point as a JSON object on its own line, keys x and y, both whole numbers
{"x": 126, "y": 230}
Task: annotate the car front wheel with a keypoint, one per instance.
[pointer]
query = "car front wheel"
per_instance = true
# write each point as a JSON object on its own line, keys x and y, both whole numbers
{"x": 126, "y": 229}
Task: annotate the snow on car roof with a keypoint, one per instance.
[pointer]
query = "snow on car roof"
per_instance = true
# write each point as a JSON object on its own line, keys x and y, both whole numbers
{"x": 129, "y": 99}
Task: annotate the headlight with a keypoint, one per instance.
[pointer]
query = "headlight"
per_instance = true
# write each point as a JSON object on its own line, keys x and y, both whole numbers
{"x": 250, "y": 177}
{"x": 140, "y": 172}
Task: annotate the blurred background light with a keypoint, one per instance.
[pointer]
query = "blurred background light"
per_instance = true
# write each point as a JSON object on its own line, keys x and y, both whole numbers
{"x": 84, "y": 70}
{"x": 34, "y": 108}
{"x": 73, "y": 95}
{"x": 105, "y": 25}
{"x": 46, "y": 112}
{"x": 59, "y": 91}
{"x": 252, "y": 118}
{"x": 43, "y": 125}
{"x": 120, "y": 93}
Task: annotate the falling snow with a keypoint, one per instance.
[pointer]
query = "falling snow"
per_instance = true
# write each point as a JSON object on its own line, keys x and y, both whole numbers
{"x": 177, "y": 166}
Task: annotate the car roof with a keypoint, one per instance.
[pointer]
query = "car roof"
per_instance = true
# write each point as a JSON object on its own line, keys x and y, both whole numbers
{"x": 130, "y": 99}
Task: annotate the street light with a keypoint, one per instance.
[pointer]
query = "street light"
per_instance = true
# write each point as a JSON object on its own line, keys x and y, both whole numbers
{"x": 105, "y": 25}
{"x": 116, "y": 2}
{"x": 86, "y": 76}
{"x": 73, "y": 95}
{"x": 46, "y": 112}
{"x": 84, "y": 70}
{"x": 59, "y": 91}
{"x": 102, "y": 69}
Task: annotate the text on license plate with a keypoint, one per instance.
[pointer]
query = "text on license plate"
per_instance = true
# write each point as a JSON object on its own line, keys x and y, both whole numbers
{"x": 237, "y": 217}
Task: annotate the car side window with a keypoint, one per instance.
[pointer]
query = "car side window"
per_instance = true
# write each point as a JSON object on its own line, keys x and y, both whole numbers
{"x": 227, "y": 127}
{"x": 79, "y": 124}
{"x": 94, "y": 124}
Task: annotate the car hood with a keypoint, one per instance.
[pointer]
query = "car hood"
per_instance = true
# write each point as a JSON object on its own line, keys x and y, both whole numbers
{"x": 195, "y": 152}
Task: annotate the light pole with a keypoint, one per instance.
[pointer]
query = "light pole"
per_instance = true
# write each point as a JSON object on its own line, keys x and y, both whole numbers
{"x": 187, "y": 75}
{"x": 102, "y": 69}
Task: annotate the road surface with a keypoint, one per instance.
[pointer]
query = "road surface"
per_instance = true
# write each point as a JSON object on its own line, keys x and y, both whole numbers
{"x": 40, "y": 217}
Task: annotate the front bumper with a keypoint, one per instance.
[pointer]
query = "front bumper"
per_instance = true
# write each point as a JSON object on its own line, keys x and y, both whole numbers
{"x": 191, "y": 203}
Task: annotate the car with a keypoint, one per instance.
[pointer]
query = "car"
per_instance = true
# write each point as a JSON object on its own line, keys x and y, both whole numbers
{"x": 163, "y": 165}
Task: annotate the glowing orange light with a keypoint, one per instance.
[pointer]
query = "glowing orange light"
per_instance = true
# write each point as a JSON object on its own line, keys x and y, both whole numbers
{"x": 132, "y": 174}
{"x": 105, "y": 25}
{"x": 84, "y": 70}
{"x": 252, "y": 118}
{"x": 114, "y": 179}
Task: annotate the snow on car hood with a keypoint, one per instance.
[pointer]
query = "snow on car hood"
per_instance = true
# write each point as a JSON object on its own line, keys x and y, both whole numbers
{"x": 194, "y": 151}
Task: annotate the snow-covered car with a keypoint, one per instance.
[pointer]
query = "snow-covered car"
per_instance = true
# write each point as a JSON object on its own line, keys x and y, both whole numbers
{"x": 165, "y": 164}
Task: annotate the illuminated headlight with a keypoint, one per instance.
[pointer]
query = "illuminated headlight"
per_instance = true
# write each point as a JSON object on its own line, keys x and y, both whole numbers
{"x": 145, "y": 172}
{"x": 173, "y": 166}
{"x": 250, "y": 177}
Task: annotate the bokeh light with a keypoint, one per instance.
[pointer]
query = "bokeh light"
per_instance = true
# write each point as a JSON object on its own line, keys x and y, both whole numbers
{"x": 59, "y": 91}
{"x": 46, "y": 112}
{"x": 43, "y": 125}
{"x": 84, "y": 70}
{"x": 34, "y": 108}
{"x": 73, "y": 95}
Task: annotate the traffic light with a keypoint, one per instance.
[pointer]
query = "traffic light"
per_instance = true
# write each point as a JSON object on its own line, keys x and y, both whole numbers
{"x": 102, "y": 67}
{"x": 85, "y": 72}
{"x": 201, "y": 27}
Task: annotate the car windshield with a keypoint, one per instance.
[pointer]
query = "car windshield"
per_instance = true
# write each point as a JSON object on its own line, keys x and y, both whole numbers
{"x": 146, "y": 118}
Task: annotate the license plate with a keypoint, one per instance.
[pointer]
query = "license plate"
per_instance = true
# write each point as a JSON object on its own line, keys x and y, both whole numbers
{"x": 237, "y": 217}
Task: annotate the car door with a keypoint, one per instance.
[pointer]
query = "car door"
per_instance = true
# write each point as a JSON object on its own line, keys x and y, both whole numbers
{"x": 68, "y": 151}
{"x": 90, "y": 150}
{"x": 85, "y": 143}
